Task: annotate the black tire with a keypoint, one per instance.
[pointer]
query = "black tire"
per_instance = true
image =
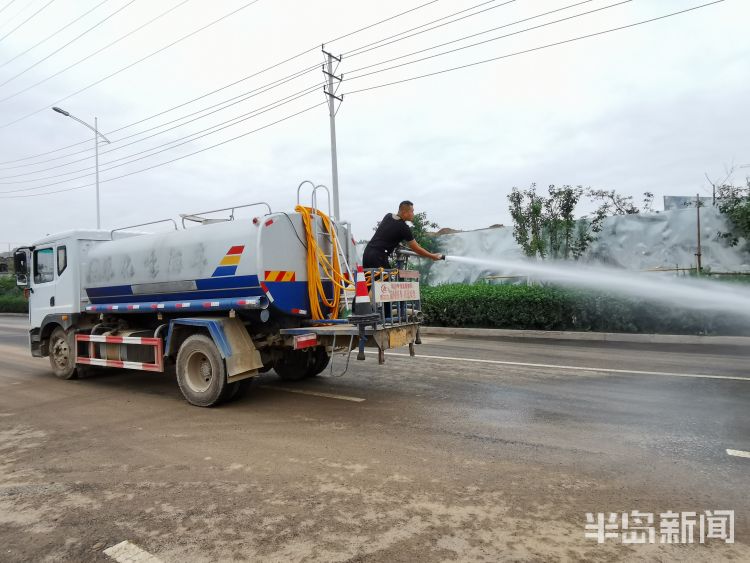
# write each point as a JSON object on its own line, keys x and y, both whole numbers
{"x": 201, "y": 374}
{"x": 320, "y": 359}
{"x": 62, "y": 356}
{"x": 238, "y": 389}
{"x": 293, "y": 365}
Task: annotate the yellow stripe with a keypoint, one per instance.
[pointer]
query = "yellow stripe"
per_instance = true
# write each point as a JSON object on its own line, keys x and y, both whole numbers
{"x": 288, "y": 276}
{"x": 230, "y": 260}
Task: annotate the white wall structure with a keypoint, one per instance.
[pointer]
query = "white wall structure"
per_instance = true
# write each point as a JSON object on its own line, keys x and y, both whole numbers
{"x": 634, "y": 242}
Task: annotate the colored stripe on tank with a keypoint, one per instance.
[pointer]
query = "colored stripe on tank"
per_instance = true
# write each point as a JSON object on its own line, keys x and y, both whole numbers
{"x": 207, "y": 288}
{"x": 224, "y": 271}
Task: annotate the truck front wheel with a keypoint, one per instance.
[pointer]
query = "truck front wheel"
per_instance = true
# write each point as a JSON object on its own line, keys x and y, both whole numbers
{"x": 62, "y": 356}
{"x": 200, "y": 371}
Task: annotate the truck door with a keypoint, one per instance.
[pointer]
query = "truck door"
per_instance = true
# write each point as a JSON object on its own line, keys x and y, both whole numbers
{"x": 42, "y": 284}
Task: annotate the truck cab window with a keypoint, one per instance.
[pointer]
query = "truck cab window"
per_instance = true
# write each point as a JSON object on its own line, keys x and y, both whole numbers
{"x": 44, "y": 265}
{"x": 62, "y": 259}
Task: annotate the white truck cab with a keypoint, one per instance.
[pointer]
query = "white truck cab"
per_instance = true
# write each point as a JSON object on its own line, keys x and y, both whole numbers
{"x": 50, "y": 270}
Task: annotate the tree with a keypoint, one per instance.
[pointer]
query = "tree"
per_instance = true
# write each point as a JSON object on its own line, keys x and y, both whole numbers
{"x": 545, "y": 225}
{"x": 526, "y": 209}
{"x": 420, "y": 226}
{"x": 734, "y": 204}
{"x": 612, "y": 203}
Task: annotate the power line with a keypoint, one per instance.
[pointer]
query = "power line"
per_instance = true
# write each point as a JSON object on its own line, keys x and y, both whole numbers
{"x": 481, "y": 42}
{"x": 50, "y": 36}
{"x": 25, "y": 21}
{"x": 6, "y": 6}
{"x": 174, "y": 159}
{"x": 377, "y": 64}
{"x": 398, "y": 82}
{"x": 364, "y": 49}
{"x": 208, "y": 93}
{"x": 532, "y": 49}
{"x": 226, "y": 104}
{"x": 383, "y": 21}
{"x": 280, "y": 81}
{"x": 18, "y": 13}
{"x": 197, "y": 135}
{"x": 173, "y": 43}
{"x": 87, "y": 57}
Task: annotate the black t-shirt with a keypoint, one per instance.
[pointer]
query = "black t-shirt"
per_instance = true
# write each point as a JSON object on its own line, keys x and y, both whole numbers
{"x": 391, "y": 231}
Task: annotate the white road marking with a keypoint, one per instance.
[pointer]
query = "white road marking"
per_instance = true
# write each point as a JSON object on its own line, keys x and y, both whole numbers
{"x": 126, "y": 552}
{"x": 738, "y": 453}
{"x": 578, "y": 368}
{"x": 313, "y": 393}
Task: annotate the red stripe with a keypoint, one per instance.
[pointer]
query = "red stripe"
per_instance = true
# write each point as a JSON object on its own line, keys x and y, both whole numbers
{"x": 264, "y": 287}
{"x": 235, "y": 250}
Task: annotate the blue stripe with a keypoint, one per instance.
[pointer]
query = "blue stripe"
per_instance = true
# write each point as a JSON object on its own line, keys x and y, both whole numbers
{"x": 227, "y": 283}
{"x": 184, "y": 296}
{"x": 224, "y": 271}
{"x": 207, "y": 288}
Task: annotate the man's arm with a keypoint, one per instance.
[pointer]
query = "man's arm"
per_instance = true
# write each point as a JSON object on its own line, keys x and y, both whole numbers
{"x": 414, "y": 245}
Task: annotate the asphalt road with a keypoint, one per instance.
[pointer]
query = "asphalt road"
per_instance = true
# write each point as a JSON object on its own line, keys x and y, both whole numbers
{"x": 477, "y": 450}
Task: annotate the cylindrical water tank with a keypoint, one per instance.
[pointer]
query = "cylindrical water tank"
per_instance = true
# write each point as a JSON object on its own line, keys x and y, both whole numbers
{"x": 230, "y": 259}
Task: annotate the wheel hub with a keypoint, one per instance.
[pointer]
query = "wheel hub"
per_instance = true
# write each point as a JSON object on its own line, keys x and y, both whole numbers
{"x": 199, "y": 372}
{"x": 61, "y": 352}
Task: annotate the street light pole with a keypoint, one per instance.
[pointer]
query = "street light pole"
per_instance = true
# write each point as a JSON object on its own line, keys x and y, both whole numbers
{"x": 95, "y": 129}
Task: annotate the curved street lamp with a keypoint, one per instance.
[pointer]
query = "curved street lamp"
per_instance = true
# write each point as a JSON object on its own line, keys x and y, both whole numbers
{"x": 97, "y": 134}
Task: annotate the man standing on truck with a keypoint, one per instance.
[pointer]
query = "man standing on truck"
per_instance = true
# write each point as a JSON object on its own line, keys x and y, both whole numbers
{"x": 391, "y": 231}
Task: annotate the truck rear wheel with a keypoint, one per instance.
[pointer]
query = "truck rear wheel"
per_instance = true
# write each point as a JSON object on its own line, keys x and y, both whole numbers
{"x": 201, "y": 374}
{"x": 293, "y": 365}
{"x": 318, "y": 362}
{"x": 62, "y": 356}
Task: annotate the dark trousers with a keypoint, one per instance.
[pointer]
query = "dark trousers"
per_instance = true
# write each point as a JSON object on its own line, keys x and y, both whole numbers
{"x": 375, "y": 258}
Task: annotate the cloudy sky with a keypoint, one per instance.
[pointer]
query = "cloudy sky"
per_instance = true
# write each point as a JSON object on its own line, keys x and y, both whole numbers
{"x": 649, "y": 108}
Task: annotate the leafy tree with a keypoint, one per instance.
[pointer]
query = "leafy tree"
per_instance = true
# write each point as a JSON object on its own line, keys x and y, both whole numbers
{"x": 545, "y": 225}
{"x": 527, "y": 210}
{"x": 734, "y": 203}
{"x": 421, "y": 224}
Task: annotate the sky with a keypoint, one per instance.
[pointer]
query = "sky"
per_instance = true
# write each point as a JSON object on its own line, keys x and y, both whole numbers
{"x": 654, "y": 107}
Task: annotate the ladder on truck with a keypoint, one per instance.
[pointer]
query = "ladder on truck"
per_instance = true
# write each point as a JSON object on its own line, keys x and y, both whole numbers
{"x": 321, "y": 235}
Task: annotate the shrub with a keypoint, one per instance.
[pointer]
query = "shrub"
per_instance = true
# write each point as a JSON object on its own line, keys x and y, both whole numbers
{"x": 11, "y": 297}
{"x": 552, "y": 308}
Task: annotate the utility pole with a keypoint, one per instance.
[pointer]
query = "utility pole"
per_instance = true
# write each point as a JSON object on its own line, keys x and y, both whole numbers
{"x": 330, "y": 91}
{"x": 698, "y": 212}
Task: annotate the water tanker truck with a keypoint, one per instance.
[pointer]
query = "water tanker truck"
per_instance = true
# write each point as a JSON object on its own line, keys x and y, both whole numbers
{"x": 216, "y": 299}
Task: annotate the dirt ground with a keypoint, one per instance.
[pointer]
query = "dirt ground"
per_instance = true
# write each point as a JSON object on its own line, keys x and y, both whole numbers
{"x": 442, "y": 461}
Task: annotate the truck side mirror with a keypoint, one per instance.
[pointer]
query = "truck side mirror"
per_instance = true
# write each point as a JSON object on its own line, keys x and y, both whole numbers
{"x": 21, "y": 267}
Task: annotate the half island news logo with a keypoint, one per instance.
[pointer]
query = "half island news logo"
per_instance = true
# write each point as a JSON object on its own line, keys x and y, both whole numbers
{"x": 638, "y": 527}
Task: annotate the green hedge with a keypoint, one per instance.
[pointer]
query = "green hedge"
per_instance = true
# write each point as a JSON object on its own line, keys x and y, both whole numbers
{"x": 11, "y": 298}
{"x": 552, "y": 308}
